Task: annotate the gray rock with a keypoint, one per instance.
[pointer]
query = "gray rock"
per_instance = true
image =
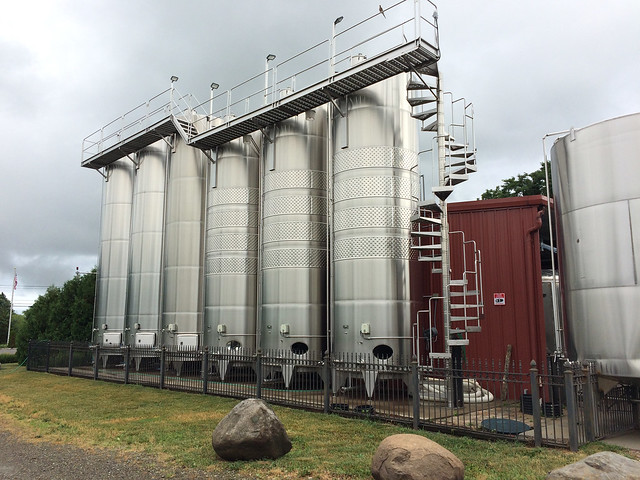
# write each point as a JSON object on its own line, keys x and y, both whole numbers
{"x": 599, "y": 466}
{"x": 412, "y": 457}
{"x": 250, "y": 431}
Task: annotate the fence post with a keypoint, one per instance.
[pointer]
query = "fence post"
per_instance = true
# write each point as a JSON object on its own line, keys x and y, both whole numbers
{"x": 326, "y": 373}
{"x": 127, "y": 360}
{"x": 259, "y": 373}
{"x": 535, "y": 404}
{"x": 46, "y": 365}
{"x": 70, "y": 358}
{"x": 163, "y": 351}
{"x": 205, "y": 370}
{"x": 29, "y": 355}
{"x": 415, "y": 391}
{"x": 571, "y": 407}
{"x": 589, "y": 404}
{"x": 96, "y": 359}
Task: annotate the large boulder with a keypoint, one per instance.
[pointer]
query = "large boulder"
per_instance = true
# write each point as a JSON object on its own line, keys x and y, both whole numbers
{"x": 599, "y": 466}
{"x": 412, "y": 457}
{"x": 251, "y": 430}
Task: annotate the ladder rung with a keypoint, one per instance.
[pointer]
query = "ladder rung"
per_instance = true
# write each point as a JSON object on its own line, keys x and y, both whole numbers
{"x": 474, "y": 329}
{"x": 462, "y": 319}
{"x": 458, "y": 283}
{"x": 436, "y": 270}
{"x": 460, "y": 306}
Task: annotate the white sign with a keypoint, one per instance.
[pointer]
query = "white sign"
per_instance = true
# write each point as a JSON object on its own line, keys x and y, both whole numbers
{"x": 499, "y": 299}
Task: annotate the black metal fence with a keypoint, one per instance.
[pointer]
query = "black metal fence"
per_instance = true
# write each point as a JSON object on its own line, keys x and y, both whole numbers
{"x": 480, "y": 399}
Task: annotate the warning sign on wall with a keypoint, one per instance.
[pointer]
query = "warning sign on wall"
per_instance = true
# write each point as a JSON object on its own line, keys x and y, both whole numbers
{"x": 499, "y": 299}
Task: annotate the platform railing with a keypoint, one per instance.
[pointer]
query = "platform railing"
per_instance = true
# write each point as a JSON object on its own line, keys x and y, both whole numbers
{"x": 399, "y": 24}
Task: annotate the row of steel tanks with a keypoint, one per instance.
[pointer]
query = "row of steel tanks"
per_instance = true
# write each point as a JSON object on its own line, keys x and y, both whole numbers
{"x": 243, "y": 252}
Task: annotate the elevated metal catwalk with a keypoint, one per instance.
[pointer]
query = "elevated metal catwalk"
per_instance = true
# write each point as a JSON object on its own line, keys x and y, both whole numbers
{"x": 130, "y": 133}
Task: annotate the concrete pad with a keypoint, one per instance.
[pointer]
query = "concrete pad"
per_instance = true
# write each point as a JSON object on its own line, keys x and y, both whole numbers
{"x": 630, "y": 440}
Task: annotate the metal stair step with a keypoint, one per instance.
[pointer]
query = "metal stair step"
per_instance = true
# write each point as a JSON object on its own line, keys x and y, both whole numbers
{"x": 455, "y": 146}
{"x": 436, "y": 270}
{"x": 430, "y": 205}
{"x": 436, "y": 246}
{"x": 464, "y": 161}
{"x": 462, "y": 154}
{"x": 455, "y": 318}
{"x": 442, "y": 355}
{"x": 442, "y": 192}
{"x": 453, "y": 331}
{"x": 466, "y": 169}
{"x": 474, "y": 329}
{"x": 468, "y": 293}
{"x": 431, "y": 69}
{"x": 432, "y": 127}
{"x": 418, "y": 85}
{"x": 430, "y": 259}
{"x": 460, "y": 306}
{"x": 416, "y": 101}
{"x": 458, "y": 283}
{"x": 418, "y": 218}
{"x": 420, "y": 233}
{"x": 424, "y": 115}
{"x": 458, "y": 343}
{"x": 455, "y": 179}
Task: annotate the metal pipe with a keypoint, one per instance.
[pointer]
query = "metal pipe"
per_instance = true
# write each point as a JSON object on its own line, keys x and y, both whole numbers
{"x": 554, "y": 300}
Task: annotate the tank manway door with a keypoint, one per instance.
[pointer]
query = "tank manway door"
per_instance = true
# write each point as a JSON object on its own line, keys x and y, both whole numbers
{"x": 451, "y": 125}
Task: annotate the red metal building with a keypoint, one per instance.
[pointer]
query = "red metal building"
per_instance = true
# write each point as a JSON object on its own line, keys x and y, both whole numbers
{"x": 507, "y": 232}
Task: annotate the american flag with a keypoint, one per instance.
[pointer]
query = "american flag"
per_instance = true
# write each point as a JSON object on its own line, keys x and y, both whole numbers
{"x": 15, "y": 281}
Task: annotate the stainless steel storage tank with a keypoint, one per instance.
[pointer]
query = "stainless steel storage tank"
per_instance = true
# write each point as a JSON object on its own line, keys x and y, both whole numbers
{"x": 294, "y": 237}
{"x": 183, "y": 248}
{"x": 145, "y": 263}
{"x": 231, "y": 256}
{"x": 113, "y": 265}
{"x": 596, "y": 172}
{"x": 375, "y": 192}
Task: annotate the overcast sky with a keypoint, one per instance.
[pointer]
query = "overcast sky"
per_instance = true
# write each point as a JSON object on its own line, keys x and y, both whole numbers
{"x": 69, "y": 67}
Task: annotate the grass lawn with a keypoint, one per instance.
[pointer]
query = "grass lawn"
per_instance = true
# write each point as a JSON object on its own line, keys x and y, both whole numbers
{"x": 177, "y": 428}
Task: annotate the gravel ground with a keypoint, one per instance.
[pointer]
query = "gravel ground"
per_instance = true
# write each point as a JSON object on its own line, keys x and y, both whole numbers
{"x": 22, "y": 459}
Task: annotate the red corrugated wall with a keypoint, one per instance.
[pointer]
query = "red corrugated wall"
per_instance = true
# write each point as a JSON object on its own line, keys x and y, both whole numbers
{"x": 506, "y": 232}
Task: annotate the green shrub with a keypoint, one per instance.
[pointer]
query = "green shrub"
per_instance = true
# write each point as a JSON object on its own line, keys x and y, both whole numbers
{"x": 8, "y": 358}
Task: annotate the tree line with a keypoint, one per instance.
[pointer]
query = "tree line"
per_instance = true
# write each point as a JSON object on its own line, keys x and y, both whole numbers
{"x": 62, "y": 313}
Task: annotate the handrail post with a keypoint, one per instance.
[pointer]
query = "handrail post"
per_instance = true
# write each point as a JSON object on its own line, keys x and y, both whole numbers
{"x": 571, "y": 406}
{"x": 535, "y": 404}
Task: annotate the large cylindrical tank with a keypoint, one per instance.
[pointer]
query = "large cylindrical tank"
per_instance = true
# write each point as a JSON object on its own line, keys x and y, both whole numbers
{"x": 375, "y": 193}
{"x": 145, "y": 263}
{"x": 231, "y": 256}
{"x": 183, "y": 248}
{"x": 597, "y": 194}
{"x": 113, "y": 264}
{"x": 294, "y": 236}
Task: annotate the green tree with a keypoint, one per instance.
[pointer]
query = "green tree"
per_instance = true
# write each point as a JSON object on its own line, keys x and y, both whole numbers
{"x": 60, "y": 314}
{"x": 5, "y": 307}
{"x": 524, "y": 184}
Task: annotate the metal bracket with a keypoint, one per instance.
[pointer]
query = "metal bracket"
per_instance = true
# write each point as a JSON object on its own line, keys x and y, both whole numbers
{"x": 172, "y": 143}
{"x": 429, "y": 87}
{"x": 249, "y": 139}
{"x": 266, "y": 135}
{"x": 106, "y": 178}
{"x": 332, "y": 100}
{"x": 137, "y": 164}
